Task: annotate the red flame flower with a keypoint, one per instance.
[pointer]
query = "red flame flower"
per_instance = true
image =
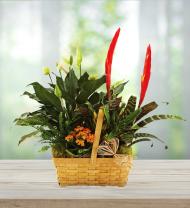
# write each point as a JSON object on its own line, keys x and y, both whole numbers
{"x": 108, "y": 62}
{"x": 146, "y": 75}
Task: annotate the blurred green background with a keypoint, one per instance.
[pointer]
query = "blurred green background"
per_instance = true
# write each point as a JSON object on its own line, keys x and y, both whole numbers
{"x": 34, "y": 34}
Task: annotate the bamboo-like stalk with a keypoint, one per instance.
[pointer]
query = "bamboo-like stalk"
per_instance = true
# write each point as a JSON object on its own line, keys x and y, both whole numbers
{"x": 97, "y": 135}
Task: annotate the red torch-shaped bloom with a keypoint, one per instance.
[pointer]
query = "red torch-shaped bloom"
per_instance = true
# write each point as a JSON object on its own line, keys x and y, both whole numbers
{"x": 146, "y": 75}
{"x": 108, "y": 62}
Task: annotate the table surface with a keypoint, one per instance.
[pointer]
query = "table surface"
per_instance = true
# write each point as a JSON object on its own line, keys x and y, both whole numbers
{"x": 152, "y": 183}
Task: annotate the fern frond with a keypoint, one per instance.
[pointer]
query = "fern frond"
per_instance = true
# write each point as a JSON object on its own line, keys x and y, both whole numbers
{"x": 27, "y": 136}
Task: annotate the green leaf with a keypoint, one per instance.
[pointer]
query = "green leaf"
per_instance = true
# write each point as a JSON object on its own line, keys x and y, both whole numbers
{"x": 79, "y": 57}
{"x": 94, "y": 98}
{"x": 61, "y": 121}
{"x": 89, "y": 87}
{"x": 130, "y": 118}
{"x": 118, "y": 89}
{"x": 57, "y": 91}
{"x": 106, "y": 113}
{"x": 46, "y": 97}
{"x": 32, "y": 121}
{"x": 44, "y": 148}
{"x": 83, "y": 79}
{"x": 27, "y": 136}
{"x": 147, "y": 109}
{"x": 157, "y": 117}
{"x": 60, "y": 84}
{"x": 71, "y": 84}
{"x": 32, "y": 96}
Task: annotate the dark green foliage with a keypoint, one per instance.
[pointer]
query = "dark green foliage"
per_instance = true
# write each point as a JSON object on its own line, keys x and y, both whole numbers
{"x": 58, "y": 116}
{"x": 74, "y": 101}
{"x": 121, "y": 121}
{"x": 46, "y": 97}
{"x": 88, "y": 87}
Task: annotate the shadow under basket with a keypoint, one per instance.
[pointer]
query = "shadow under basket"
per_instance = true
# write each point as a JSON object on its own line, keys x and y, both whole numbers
{"x": 94, "y": 171}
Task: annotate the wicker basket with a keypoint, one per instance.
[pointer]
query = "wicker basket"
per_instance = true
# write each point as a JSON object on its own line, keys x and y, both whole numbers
{"x": 94, "y": 171}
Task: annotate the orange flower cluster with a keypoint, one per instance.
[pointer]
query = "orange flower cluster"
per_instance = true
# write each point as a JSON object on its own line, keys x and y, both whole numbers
{"x": 80, "y": 135}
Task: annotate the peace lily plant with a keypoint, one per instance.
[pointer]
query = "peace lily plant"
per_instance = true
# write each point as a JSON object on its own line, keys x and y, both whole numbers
{"x": 66, "y": 117}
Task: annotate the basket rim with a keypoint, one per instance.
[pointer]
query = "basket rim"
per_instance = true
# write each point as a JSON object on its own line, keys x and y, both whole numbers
{"x": 121, "y": 156}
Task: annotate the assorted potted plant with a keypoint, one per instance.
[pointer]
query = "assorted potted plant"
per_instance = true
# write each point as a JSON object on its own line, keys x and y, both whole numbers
{"x": 90, "y": 132}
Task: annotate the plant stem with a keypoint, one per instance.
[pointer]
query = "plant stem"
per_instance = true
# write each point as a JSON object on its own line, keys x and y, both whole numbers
{"x": 69, "y": 153}
{"x": 80, "y": 69}
{"x": 60, "y": 74}
{"x": 50, "y": 79}
{"x": 62, "y": 103}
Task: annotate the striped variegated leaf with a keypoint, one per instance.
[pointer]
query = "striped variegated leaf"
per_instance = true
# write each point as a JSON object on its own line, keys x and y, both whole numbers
{"x": 147, "y": 109}
{"x": 137, "y": 135}
{"x": 157, "y": 117}
{"x": 127, "y": 134}
{"x": 138, "y": 140}
{"x": 129, "y": 119}
{"x": 131, "y": 105}
{"x": 108, "y": 148}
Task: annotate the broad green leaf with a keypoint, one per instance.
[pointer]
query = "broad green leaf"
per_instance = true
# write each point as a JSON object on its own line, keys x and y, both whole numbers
{"x": 89, "y": 87}
{"x": 45, "y": 96}
{"x": 57, "y": 91}
{"x": 61, "y": 85}
{"x": 27, "y": 136}
{"x": 83, "y": 79}
{"x": 147, "y": 109}
{"x": 155, "y": 118}
{"x": 94, "y": 98}
{"x": 118, "y": 89}
{"x": 71, "y": 84}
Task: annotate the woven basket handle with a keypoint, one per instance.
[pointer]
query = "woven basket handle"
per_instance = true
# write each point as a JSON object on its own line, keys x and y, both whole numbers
{"x": 97, "y": 134}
